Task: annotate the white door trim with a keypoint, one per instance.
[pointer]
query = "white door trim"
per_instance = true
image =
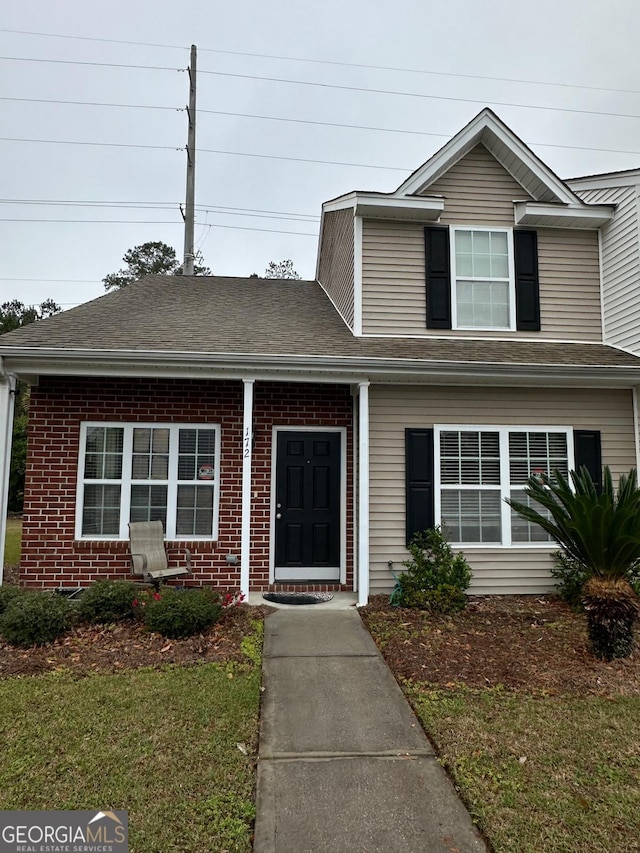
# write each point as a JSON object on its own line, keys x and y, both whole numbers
{"x": 343, "y": 500}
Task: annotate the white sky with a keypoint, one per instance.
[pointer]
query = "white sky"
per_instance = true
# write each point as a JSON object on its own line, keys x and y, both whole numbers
{"x": 579, "y": 54}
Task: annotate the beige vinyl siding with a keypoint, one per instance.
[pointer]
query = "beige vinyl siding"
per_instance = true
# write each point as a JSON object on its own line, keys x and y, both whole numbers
{"x": 336, "y": 269}
{"x": 393, "y": 409}
{"x": 568, "y": 263}
{"x": 620, "y": 265}
{"x": 393, "y": 283}
{"x": 477, "y": 190}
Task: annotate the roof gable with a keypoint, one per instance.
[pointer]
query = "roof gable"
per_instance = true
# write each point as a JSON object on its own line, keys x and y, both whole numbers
{"x": 536, "y": 178}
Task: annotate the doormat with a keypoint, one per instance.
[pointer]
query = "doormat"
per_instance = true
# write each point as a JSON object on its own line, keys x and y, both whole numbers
{"x": 298, "y": 597}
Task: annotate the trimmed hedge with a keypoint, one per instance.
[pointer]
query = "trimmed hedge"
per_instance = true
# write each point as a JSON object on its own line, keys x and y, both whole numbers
{"x": 182, "y": 613}
{"x": 35, "y": 618}
{"x": 7, "y": 594}
{"x": 107, "y": 601}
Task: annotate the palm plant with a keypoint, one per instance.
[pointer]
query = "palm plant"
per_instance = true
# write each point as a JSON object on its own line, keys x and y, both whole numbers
{"x": 600, "y": 531}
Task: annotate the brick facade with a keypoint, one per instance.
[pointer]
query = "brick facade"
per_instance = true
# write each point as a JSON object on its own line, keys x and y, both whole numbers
{"x": 52, "y": 557}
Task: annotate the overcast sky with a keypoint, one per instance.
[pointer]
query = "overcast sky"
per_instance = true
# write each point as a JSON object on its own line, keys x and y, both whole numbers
{"x": 563, "y": 74}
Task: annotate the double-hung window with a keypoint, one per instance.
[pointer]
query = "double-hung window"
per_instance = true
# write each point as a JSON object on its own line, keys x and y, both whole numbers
{"x": 148, "y": 472}
{"x": 478, "y": 467}
{"x": 482, "y": 278}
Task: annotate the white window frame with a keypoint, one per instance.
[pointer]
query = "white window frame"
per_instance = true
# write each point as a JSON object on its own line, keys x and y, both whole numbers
{"x": 454, "y": 279}
{"x": 506, "y": 486}
{"x": 127, "y": 480}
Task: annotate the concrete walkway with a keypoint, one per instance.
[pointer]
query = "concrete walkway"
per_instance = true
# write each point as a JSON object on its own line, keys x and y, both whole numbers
{"x": 343, "y": 764}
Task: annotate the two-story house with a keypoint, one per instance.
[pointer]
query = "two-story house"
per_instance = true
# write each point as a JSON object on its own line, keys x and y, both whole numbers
{"x": 295, "y": 434}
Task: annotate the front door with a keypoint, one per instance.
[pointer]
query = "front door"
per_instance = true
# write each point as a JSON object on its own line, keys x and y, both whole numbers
{"x": 307, "y": 510}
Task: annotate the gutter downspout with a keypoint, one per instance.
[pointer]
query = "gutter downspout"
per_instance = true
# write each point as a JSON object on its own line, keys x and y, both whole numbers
{"x": 7, "y": 403}
{"x": 363, "y": 493}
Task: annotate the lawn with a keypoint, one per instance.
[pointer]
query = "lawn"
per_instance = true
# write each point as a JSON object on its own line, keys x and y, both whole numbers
{"x": 12, "y": 542}
{"x": 542, "y": 741}
{"x": 173, "y": 745}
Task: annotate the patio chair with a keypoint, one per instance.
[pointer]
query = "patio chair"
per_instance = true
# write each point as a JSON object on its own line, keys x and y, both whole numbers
{"x": 149, "y": 554}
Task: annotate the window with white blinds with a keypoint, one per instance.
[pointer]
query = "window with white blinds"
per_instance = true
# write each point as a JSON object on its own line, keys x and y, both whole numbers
{"x": 483, "y": 278}
{"x": 478, "y": 467}
{"x": 148, "y": 472}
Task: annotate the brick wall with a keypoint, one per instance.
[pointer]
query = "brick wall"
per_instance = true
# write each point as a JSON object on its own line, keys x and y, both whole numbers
{"x": 50, "y": 554}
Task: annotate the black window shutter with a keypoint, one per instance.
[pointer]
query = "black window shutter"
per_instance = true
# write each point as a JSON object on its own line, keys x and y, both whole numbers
{"x": 588, "y": 452}
{"x": 438, "y": 275}
{"x": 525, "y": 244}
{"x": 419, "y": 480}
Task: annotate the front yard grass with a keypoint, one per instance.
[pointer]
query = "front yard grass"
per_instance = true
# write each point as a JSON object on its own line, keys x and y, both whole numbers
{"x": 161, "y": 743}
{"x": 540, "y": 774}
{"x": 12, "y": 542}
{"x": 541, "y": 740}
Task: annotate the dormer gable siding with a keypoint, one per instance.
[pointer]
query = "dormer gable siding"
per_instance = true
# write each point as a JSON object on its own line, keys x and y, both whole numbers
{"x": 336, "y": 264}
{"x": 478, "y": 191}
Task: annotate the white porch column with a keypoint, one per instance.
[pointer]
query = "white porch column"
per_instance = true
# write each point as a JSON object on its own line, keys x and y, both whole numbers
{"x": 7, "y": 401}
{"x": 247, "y": 452}
{"x": 363, "y": 493}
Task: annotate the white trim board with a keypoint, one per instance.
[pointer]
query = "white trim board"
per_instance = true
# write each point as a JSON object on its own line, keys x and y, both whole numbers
{"x": 343, "y": 500}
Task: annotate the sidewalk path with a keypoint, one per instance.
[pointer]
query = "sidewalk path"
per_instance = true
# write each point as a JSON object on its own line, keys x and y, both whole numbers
{"x": 344, "y": 764}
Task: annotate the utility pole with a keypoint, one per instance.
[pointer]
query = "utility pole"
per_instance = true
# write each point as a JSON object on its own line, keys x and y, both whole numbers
{"x": 190, "y": 201}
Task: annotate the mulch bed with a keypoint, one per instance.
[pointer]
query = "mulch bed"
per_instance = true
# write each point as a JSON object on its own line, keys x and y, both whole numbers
{"x": 525, "y": 643}
{"x": 127, "y": 645}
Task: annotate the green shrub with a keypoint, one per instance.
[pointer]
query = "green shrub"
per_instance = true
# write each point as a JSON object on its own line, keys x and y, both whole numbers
{"x": 107, "y": 601}
{"x": 182, "y": 613}
{"x": 35, "y": 618}
{"x": 436, "y": 578}
{"x": 571, "y": 577}
{"x": 7, "y": 594}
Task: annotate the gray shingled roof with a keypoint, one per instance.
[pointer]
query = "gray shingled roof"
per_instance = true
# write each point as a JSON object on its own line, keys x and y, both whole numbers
{"x": 216, "y": 315}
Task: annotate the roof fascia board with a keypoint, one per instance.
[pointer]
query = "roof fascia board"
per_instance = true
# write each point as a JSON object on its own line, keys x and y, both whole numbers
{"x": 364, "y": 197}
{"x": 593, "y": 216}
{"x": 630, "y": 178}
{"x": 382, "y": 205}
{"x": 466, "y": 139}
{"x": 415, "y": 209}
{"x": 319, "y": 369}
{"x": 340, "y": 203}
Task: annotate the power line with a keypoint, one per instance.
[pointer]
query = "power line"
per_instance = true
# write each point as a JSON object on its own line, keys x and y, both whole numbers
{"x": 90, "y": 38}
{"x": 334, "y": 62}
{"x": 157, "y": 222}
{"x": 398, "y": 130}
{"x": 103, "y": 221}
{"x": 294, "y": 121}
{"x": 96, "y": 64}
{"x": 152, "y": 205}
{"x": 121, "y": 205}
{"x": 58, "y": 280}
{"x": 279, "y": 217}
{"x": 304, "y": 160}
{"x": 92, "y": 104}
{"x": 209, "y": 151}
{"x": 99, "y": 144}
{"x": 260, "y": 210}
{"x": 411, "y": 94}
{"x": 419, "y": 71}
{"x": 247, "y": 228}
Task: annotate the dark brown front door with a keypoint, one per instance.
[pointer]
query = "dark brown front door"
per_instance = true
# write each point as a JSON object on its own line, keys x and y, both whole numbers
{"x": 307, "y": 512}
